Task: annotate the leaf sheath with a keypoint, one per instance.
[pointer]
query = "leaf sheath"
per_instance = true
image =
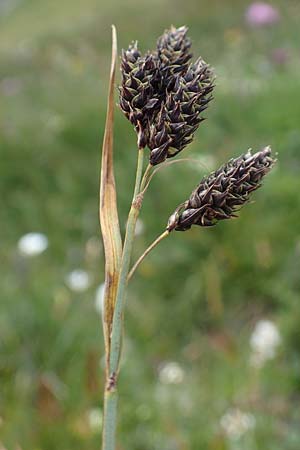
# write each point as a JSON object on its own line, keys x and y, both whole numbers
{"x": 108, "y": 209}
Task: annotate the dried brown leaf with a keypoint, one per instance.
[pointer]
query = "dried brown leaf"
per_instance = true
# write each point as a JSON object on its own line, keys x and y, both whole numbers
{"x": 108, "y": 207}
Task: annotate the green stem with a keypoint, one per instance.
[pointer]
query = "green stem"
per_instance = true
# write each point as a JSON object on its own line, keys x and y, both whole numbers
{"x": 146, "y": 177}
{"x": 110, "y": 397}
{"x": 147, "y": 251}
{"x": 109, "y": 419}
{"x": 116, "y": 336}
{"x": 138, "y": 175}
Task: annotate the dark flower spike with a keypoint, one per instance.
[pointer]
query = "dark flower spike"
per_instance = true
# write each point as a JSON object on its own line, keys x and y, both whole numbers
{"x": 221, "y": 194}
{"x": 173, "y": 51}
{"x": 180, "y": 115}
{"x": 163, "y": 96}
{"x": 138, "y": 99}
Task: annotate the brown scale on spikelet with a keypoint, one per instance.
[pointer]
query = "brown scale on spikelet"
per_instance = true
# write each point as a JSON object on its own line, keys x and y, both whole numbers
{"x": 137, "y": 96}
{"x": 163, "y": 96}
{"x": 180, "y": 115}
{"x": 222, "y": 193}
{"x": 173, "y": 52}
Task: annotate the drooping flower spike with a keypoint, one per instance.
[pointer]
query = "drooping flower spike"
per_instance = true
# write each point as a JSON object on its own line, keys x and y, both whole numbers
{"x": 221, "y": 194}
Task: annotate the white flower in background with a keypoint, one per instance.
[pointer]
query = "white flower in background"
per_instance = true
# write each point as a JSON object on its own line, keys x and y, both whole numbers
{"x": 264, "y": 341}
{"x": 32, "y": 244}
{"x": 95, "y": 419}
{"x": 78, "y": 280}
{"x": 139, "y": 228}
{"x": 99, "y": 298}
{"x": 171, "y": 373}
{"x": 235, "y": 423}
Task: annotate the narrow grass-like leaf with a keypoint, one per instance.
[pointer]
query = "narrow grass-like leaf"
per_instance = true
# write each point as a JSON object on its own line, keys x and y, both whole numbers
{"x": 108, "y": 208}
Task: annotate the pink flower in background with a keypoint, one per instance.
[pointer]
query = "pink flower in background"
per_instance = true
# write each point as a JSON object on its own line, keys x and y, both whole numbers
{"x": 260, "y": 14}
{"x": 280, "y": 56}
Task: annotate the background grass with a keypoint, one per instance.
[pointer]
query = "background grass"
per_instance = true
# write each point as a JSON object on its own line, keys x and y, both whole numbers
{"x": 196, "y": 299}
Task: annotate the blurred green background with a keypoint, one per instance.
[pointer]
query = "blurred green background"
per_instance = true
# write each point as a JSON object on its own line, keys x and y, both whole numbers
{"x": 192, "y": 378}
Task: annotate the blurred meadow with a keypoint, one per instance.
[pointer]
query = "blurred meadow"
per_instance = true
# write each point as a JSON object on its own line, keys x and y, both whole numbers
{"x": 212, "y": 347}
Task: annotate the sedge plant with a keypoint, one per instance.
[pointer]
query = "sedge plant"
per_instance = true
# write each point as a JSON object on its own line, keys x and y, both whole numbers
{"x": 163, "y": 93}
